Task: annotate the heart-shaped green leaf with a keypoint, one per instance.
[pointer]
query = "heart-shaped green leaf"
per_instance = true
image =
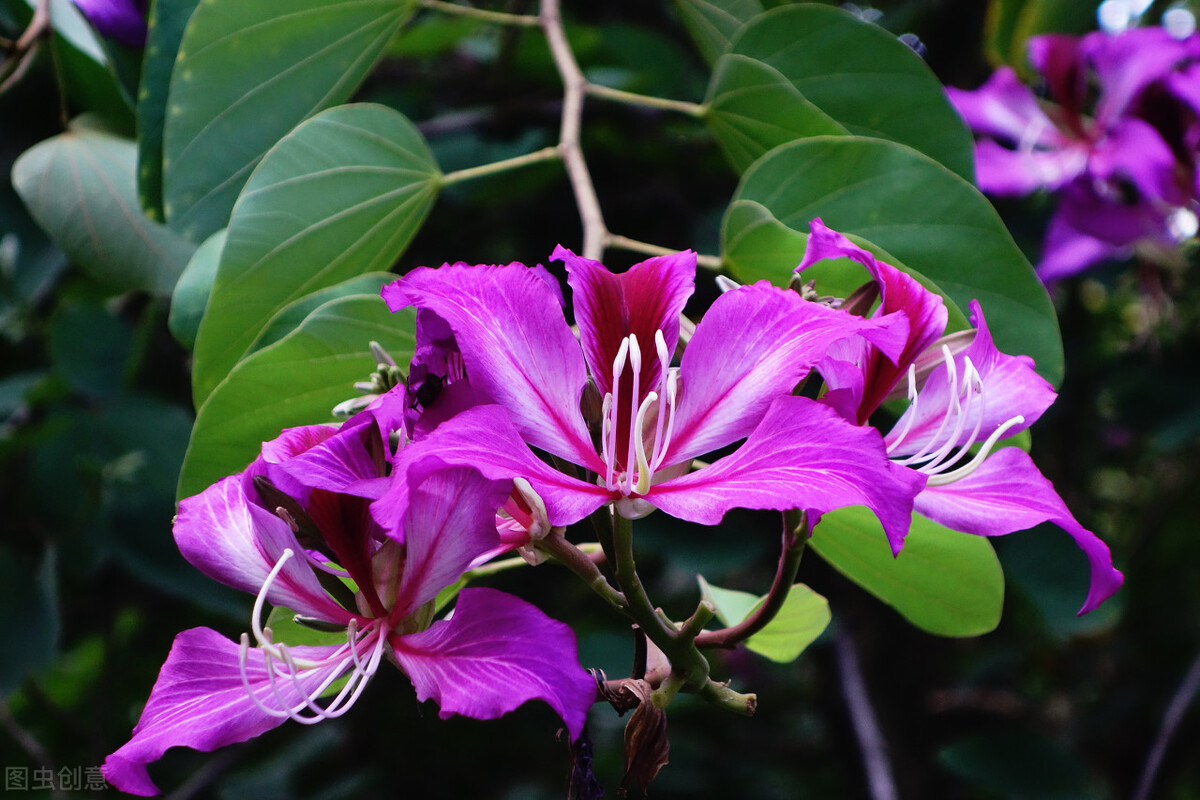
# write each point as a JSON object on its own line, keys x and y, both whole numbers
{"x": 714, "y": 23}
{"x": 191, "y": 294}
{"x": 858, "y": 74}
{"x": 340, "y": 196}
{"x": 246, "y": 74}
{"x": 752, "y": 107}
{"x": 944, "y": 582}
{"x": 80, "y": 188}
{"x": 930, "y": 219}
{"x": 296, "y": 381}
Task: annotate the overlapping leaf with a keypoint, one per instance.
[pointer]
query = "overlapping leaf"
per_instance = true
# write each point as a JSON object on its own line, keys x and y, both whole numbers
{"x": 930, "y": 219}
{"x": 714, "y": 23}
{"x": 845, "y": 72}
{"x": 296, "y": 381}
{"x": 80, "y": 188}
{"x": 803, "y": 617}
{"x": 245, "y": 75}
{"x": 340, "y": 196}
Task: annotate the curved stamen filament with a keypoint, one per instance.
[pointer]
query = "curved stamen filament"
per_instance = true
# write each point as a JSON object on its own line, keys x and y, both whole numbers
{"x": 643, "y": 466}
{"x": 635, "y": 432}
{"x": 912, "y": 409}
{"x": 973, "y": 464}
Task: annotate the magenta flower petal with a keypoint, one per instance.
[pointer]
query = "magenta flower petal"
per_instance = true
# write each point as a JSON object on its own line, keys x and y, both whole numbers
{"x": 237, "y": 542}
{"x": 200, "y": 701}
{"x": 610, "y": 306}
{"x": 495, "y": 653}
{"x": 1011, "y": 387}
{"x": 485, "y": 438}
{"x": 899, "y": 292}
{"x": 1007, "y": 109}
{"x": 1127, "y": 63}
{"x": 802, "y": 455}
{"x": 517, "y": 346}
{"x": 1067, "y": 252}
{"x": 121, "y": 20}
{"x": 450, "y": 519}
{"x": 1061, "y": 60}
{"x": 1008, "y": 493}
{"x": 754, "y": 344}
{"x": 1006, "y": 172}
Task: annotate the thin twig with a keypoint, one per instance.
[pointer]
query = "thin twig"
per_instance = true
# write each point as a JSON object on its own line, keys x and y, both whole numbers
{"x": 1171, "y": 718}
{"x": 536, "y": 157}
{"x": 647, "y": 101}
{"x": 862, "y": 715}
{"x": 594, "y": 230}
{"x": 29, "y": 743}
{"x": 794, "y": 538}
{"x": 633, "y": 245}
{"x": 527, "y": 20}
{"x": 23, "y": 51}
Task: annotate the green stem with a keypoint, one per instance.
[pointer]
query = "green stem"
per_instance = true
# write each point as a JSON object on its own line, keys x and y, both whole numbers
{"x": 536, "y": 157}
{"x": 721, "y": 695}
{"x": 691, "y": 109}
{"x": 625, "y": 243}
{"x": 578, "y": 560}
{"x": 795, "y": 536}
{"x": 527, "y": 20}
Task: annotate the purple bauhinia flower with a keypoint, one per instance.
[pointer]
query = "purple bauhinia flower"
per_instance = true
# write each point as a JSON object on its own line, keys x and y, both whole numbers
{"x": 123, "y": 21}
{"x": 1125, "y": 166}
{"x": 645, "y": 421}
{"x": 292, "y": 529}
{"x": 962, "y": 391}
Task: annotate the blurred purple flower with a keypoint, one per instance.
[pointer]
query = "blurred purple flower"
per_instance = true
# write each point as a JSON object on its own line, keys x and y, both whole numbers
{"x": 292, "y": 529}
{"x": 962, "y": 391}
{"x": 1125, "y": 165}
{"x": 123, "y": 21}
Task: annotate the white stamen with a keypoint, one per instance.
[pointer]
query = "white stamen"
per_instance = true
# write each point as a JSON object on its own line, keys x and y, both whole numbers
{"x": 635, "y": 434}
{"x": 912, "y": 409}
{"x": 643, "y": 466}
{"x": 608, "y": 440}
{"x": 984, "y": 452}
{"x": 660, "y": 453}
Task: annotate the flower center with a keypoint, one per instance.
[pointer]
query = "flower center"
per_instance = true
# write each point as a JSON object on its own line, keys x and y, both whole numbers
{"x": 639, "y": 466}
{"x": 297, "y": 683}
{"x": 948, "y": 446}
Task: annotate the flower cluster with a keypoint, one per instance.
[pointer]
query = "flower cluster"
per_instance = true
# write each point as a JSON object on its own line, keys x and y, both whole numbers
{"x": 512, "y": 426}
{"x": 1119, "y": 142}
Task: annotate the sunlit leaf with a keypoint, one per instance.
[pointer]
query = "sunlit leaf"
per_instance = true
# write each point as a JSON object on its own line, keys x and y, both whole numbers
{"x": 803, "y": 617}
{"x": 930, "y": 219}
{"x": 943, "y": 581}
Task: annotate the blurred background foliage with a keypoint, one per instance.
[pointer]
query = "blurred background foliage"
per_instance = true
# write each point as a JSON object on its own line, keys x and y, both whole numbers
{"x": 96, "y": 411}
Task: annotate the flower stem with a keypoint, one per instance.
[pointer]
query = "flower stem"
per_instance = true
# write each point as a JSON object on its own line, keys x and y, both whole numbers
{"x": 621, "y": 96}
{"x": 536, "y": 157}
{"x": 578, "y": 561}
{"x": 795, "y": 537}
{"x": 528, "y": 20}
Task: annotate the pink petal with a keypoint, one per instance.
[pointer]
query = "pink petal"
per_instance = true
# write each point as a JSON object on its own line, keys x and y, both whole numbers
{"x": 495, "y": 653}
{"x": 237, "y": 542}
{"x": 802, "y": 455}
{"x": 608, "y": 307}
{"x": 516, "y": 344}
{"x": 1008, "y": 493}
{"x": 199, "y": 701}
{"x": 1005, "y": 108}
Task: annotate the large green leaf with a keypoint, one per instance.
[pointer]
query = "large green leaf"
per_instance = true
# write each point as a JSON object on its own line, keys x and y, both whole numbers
{"x": 763, "y": 248}
{"x": 803, "y": 617}
{"x": 752, "y": 107}
{"x": 340, "y": 196}
{"x": 245, "y": 75}
{"x": 79, "y": 186}
{"x": 943, "y": 581}
{"x": 714, "y": 23}
{"x": 191, "y": 294}
{"x": 859, "y": 75}
{"x": 167, "y": 20}
{"x": 930, "y": 219}
{"x": 296, "y": 381}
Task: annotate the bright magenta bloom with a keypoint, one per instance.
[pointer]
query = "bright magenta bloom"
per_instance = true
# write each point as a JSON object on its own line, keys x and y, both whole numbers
{"x": 289, "y": 529}
{"x": 527, "y": 373}
{"x": 962, "y": 391}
